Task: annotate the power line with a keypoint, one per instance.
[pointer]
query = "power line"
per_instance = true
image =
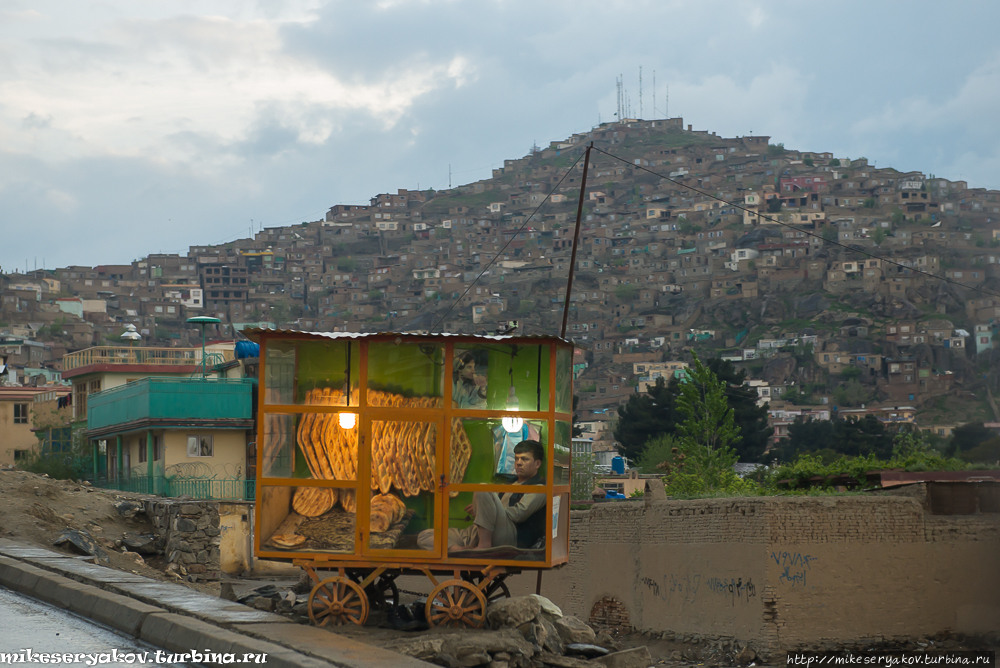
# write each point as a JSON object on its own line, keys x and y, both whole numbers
{"x": 504, "y": 247}
{"x": 797, "y": 229}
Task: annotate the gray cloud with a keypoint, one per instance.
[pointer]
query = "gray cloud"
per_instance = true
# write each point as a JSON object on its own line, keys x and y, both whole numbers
{"x": 213, "y": 114}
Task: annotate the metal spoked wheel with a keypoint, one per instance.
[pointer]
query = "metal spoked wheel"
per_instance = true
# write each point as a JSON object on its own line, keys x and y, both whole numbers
{"x": 456, "y": 604}
{"x": 339, "y": 601}
{"x": 494, "y": 591}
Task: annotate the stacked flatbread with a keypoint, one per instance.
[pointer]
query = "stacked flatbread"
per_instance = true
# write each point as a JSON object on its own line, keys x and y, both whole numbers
{"x": 403, "y": 452}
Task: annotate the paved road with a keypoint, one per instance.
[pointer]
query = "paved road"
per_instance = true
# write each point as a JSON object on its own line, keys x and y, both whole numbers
{"x": 29, "y": 624}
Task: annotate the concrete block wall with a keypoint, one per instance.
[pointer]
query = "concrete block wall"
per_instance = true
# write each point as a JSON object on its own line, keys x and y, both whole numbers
{"x": 783, "y": 573}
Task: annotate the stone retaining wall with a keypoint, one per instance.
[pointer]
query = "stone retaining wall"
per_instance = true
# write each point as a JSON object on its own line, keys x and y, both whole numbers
{"x": 191, "y": 533}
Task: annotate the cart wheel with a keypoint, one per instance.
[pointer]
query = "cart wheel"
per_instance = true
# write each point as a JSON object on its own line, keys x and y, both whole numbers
{"x": 496, "y": 590}
{"x": 456, "y": 604}
{"x": 340, "y": 600}
{"x": 383, "y": 593}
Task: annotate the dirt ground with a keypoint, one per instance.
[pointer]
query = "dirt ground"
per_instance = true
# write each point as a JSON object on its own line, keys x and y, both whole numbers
{"x": 36, "y": 509}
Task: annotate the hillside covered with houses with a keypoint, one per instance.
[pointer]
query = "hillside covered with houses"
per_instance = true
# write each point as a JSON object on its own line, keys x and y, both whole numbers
{"x": 838, "y": 287}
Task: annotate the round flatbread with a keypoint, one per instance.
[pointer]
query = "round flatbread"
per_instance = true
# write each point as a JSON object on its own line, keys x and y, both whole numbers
{"x": 313, "y": 501}
{"x": 288, "y": 540}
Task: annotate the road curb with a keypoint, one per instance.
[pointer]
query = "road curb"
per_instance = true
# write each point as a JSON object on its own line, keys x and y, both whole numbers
{"x": 174, "y": 628}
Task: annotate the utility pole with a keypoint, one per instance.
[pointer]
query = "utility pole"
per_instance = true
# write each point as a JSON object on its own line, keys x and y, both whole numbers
{"x": 576, "y": 240}
{"x": 449, "y": 176}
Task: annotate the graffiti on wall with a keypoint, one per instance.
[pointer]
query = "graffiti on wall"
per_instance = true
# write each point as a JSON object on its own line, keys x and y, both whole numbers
{"x": 686, "y": 588}
{"x": 794, "y": 567}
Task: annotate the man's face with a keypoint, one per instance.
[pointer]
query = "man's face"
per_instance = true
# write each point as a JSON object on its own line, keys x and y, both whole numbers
{"x": 469, "y": 370}
{"x": 525, "y": 465}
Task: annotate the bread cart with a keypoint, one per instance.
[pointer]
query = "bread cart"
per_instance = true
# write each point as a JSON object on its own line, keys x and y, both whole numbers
{"x": 375, "y": 451}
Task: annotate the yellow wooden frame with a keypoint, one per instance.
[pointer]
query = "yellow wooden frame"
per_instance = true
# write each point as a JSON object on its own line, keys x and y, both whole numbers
{"x": 438, "y": 557}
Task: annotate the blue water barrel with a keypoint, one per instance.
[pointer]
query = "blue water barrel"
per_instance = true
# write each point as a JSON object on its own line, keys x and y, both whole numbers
{"x": 618, "y": 465}
{"x": 245, "y": 349}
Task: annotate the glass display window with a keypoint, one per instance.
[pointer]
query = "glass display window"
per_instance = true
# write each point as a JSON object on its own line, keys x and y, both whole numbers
{"x": 404, "y": 484}
{"x": 499, "y": 526}
{"x": 564, "y": 379}
{"x": 307, "y": 519}
{"x": 310, "y": 445}
{"x": 500, "y": 377}
{"x": 492, "y": 445}
{"x": 311, "y": 372}
{"x": 405, "y": 375}
{"x": 562, "y": 453}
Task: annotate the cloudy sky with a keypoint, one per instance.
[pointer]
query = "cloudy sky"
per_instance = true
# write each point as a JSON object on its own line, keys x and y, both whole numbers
{"x": 135, "y": 127}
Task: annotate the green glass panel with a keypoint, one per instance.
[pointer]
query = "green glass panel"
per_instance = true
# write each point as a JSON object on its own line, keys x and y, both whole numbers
{"x": 403, "y": 456}
{"x": 326, "y": 523}
{"x": 409, "y": 369}
{"x": 564, "y": 379}
{"x": 309, "y": 445}
{"x": 516, "y": 524}
{"x": 492, "y": 458}
{"x": 482, "y": 376}
{"x": 561, "y": 453}
{"x": 310, "y": 372}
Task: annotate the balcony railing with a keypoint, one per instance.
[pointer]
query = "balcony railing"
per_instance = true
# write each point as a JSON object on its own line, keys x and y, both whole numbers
{"x": 172, "y": 486}
{"x": 166, "y": 357}
{"x": 171, "y": 399}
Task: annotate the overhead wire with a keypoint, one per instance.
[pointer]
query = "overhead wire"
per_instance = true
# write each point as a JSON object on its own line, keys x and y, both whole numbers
{"x": 504, "y": 247}
{"x": 798, "y": 229}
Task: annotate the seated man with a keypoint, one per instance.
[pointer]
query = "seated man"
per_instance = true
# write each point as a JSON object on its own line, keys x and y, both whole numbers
{"x": 509, "y": 518}
{"x": 503, "y": 519}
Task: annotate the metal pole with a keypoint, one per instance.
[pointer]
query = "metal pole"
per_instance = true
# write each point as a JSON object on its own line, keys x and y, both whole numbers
{"x": 203, "y": 373}
{"x": 576, "y": 238}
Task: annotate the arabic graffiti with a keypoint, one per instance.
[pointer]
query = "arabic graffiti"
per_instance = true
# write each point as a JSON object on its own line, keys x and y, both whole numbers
{"x": 794, "y": 567}
{"x": 686, "y": 588}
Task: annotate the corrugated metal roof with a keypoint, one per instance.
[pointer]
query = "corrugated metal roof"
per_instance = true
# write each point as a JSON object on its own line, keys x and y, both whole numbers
{"x": 254, "y": 334}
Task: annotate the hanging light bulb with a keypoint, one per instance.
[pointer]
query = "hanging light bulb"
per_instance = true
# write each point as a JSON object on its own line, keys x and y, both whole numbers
{"x": 347, "y": 420}
{"x": 512, "y": 423}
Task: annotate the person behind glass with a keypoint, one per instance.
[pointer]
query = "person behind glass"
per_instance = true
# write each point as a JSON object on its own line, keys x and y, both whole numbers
{"x": 469, "y": 390}
{"x": 512, "y": 518}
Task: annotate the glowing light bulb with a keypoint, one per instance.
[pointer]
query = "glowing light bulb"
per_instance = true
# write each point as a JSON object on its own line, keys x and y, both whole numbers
{"x": 347, "y": 420}
{"x": 512, "y": 423}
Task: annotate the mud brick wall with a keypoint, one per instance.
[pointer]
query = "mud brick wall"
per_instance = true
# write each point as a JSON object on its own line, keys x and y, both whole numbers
{"x": 784, "y": 573}
{"x": 191, "y": 533}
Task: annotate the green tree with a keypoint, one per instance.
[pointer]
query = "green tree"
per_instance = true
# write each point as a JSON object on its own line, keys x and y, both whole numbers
{"x": 346, "y": 264}
{"x": 646, "y": 416}
{"x": 834, "y": 163}
{"x": 750, "y": 418}
{"x": 657, "y": 451}
{"x": 774, "y": 205}
{"x": 808, "y": 162}
{"x": 967, "y": 437}
{"x": 898, "y": 217}
{"x": 878, "y": 236}
{"x": 829, "y": 233}
{"x": 852, "y": 393}
{"x": 870, "y": 203}
{"x": 626, "y": 292}
{"x": 775, "y": 150}
{"x": 709, "y": 419}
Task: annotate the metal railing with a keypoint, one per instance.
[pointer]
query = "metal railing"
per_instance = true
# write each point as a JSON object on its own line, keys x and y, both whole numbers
{"x": 146, "y": 356}
{"x": 170, "y": 486}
